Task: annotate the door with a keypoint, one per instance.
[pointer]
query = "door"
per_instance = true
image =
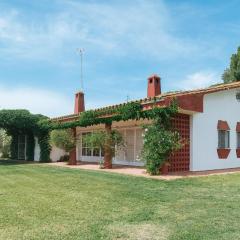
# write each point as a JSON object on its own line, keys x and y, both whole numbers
{"x": 22, "y": 147}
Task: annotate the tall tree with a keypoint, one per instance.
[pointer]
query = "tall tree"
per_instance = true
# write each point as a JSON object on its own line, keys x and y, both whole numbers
{"x": 232, "y": 74}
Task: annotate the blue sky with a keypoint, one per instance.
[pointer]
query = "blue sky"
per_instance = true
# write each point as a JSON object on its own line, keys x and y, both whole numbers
{"x": 188, "y": 43}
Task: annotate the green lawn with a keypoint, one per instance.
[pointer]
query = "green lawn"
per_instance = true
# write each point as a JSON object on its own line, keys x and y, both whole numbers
{"x": 41, "y": 202}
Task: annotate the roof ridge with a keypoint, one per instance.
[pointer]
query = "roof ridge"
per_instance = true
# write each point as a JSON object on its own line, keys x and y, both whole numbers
{"x": 211, "y": 89}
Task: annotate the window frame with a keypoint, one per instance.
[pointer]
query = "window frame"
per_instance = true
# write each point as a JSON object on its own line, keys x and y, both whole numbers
{"x": 226, "y": 139}
{"x": 238, "y": 136}
{"x": 89, "y": 149}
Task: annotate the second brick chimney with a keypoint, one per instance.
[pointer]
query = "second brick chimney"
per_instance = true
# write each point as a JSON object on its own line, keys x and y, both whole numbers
{"x": 79, "y": 103}
{"x": 154, "y": 86}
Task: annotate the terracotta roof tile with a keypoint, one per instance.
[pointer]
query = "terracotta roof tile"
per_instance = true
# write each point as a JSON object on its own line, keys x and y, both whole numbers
{"x": 212, "y": 89}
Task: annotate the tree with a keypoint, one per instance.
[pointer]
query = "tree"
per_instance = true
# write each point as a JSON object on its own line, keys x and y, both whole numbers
{"x": 107, "y": 141}
{"x": 63, "y": 139}
{"x": 5, "y": 142}
{"x": 232, "y": 74}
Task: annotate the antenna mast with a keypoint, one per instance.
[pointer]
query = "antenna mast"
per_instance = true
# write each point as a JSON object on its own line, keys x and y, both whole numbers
{"x": 80, "y": 51}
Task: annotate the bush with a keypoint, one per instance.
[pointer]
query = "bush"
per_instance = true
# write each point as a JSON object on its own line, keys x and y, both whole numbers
{"x": 159, "y": 143}
{"x": 64, "y": 158}
{"x": 160, "y": 139}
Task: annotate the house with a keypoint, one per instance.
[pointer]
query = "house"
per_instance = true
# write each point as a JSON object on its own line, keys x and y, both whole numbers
{"x": 208, "y": 118}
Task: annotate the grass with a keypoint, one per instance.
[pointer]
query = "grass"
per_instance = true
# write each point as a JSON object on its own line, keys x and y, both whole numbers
{"x": 43, "y": 202}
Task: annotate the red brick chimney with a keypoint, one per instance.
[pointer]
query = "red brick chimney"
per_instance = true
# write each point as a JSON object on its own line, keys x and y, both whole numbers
{"x": 79, "y": 103}
{"x": 154, "y": 86}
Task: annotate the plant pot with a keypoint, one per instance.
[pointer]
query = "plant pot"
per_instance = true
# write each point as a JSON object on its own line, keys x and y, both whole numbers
{"x": 223, "y": 153}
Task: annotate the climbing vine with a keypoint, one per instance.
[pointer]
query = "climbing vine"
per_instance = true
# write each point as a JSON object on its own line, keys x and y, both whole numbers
{"x": 125, "y": 112}
{"x": 13, "y": 146}
{"x": 17, "y": 122}
{"x": 22, "y": 122}
{"x": 160, "y": 140}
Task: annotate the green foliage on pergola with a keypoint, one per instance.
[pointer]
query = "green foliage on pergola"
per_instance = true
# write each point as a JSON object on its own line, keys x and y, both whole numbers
{"x": 124, "y": 112}
{"x": 16, "y": 122}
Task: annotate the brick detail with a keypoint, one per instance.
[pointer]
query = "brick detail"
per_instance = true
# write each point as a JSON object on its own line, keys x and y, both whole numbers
{"x": 73, "y": 153}
{"x": 238, "y": 152}
{"x": 107, "y": 149}
{"x": 180, "y": 160}
{"x": 223, "y": 153}
{"x": 72, "y": 157}
{"x": 223, "y": 125}
{"x": 238, "y": 127}
{"x": 238, "y": 131}
{"x": 154, "y": 86}
{"x": 190, "y": 102}
{"x": 79, "y": 103}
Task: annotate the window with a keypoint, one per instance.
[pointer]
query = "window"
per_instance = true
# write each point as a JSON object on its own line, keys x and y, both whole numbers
{"x": 223, "y": 139}
{"x": 88, "y": 150}
{"x": 238, "y": 139}
{"x": 238, "y": 134}
{"x": 22, "y": 146}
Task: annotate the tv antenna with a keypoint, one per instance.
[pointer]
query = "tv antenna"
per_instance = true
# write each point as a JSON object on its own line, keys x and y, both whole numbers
{"x": 80, "y": 51}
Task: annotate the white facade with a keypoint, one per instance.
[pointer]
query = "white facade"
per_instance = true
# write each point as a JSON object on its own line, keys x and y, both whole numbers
{"x": 55, "y": 155}
{"x": 204, "y": 134}
{"x": 222, "y": 105}
{"x": 36, "y": 150}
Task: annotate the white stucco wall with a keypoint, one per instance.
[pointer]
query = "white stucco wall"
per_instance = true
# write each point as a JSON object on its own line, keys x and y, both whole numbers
{"x": 56, "y": 153}
{"x": 204, "y": 135}
{"x": 36, "y": 150}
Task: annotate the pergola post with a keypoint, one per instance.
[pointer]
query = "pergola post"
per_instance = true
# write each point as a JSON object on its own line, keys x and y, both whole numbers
{"x": 73, "y": 152}
{"x": 107, "y": 147}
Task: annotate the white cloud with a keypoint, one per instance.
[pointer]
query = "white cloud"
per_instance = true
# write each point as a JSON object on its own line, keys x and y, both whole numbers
{"x": 198, "y": 80}
{"x": 35, "y": 100}
{"x": 143, "y": 28}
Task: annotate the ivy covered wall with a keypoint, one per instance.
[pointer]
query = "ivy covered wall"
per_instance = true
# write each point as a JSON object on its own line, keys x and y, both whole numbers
{"x": 22, "y": 122}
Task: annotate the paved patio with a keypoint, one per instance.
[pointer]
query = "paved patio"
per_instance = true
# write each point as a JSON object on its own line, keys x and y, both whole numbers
{"x": 141, "y": 172}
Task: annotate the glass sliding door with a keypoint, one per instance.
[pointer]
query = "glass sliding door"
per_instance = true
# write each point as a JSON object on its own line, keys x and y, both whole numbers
{"x": 22, "y": 147}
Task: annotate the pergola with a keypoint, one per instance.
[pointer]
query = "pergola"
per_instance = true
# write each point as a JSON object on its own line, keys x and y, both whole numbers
{"x": 23, "y": 126}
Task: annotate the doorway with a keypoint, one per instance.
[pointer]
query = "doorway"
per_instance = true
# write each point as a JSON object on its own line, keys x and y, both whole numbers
{"x": 22, "y": 147}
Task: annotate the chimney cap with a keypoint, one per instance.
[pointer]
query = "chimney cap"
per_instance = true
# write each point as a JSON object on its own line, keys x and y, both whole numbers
{"x": 81, "y": 92}
{"x": 153, "y": 76}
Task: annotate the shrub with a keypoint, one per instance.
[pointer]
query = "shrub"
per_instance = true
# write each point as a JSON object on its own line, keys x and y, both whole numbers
{"x": 160, "y": 139}
{"x": 64, "y": 158}
{"x": 159, "y": 143}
